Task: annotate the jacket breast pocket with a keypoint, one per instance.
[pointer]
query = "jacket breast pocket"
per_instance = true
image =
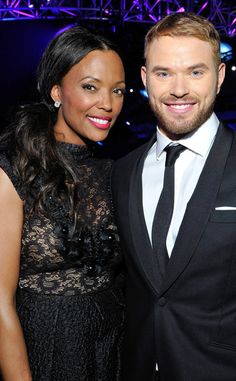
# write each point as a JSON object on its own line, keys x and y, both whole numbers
{"x": 223, "y": 216}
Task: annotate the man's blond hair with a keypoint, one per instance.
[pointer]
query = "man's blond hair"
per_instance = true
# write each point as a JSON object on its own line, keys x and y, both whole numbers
{"x": 185, "y": 25}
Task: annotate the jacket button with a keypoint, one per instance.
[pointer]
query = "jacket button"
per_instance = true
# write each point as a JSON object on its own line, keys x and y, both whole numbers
{"x": 162, "y": 301}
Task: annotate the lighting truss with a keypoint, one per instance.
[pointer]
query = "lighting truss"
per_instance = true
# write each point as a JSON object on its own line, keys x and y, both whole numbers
{"x": 221, "y": 13}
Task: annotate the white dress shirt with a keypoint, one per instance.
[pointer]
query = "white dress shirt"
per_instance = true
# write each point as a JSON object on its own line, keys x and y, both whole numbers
{"x": 188, "y": 168}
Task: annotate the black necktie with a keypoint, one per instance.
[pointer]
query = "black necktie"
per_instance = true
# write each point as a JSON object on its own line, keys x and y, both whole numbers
{"x": 164, "y": 208}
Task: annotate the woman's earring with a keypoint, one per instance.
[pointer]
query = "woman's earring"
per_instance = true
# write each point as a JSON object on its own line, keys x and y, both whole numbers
{"x": 57, "y": 104}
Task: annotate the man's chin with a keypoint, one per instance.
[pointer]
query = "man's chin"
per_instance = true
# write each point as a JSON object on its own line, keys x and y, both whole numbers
{"x": 171, "y": 128}
{"x": 182, "y": 124}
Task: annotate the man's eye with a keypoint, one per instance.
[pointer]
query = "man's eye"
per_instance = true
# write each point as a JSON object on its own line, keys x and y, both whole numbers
{"x": 196, "y": 73}
{"x": 162, "y": 74}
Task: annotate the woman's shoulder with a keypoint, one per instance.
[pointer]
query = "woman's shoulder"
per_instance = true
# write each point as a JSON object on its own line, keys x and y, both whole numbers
{"x": 7, "y": 164}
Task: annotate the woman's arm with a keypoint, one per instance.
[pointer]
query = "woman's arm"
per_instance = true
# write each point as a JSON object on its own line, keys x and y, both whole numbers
{"x": 14, "y": 362}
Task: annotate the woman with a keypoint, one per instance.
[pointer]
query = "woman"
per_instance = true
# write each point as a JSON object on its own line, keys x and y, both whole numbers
{"x": 61, "y": 304}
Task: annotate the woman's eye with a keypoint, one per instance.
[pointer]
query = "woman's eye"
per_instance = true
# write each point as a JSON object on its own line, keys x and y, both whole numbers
{"x": 88, "y": 86}
{"x": 120, "y": 91}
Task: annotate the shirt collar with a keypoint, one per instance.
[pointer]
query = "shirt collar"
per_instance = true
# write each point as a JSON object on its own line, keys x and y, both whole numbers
{"x": 198, "y": 141}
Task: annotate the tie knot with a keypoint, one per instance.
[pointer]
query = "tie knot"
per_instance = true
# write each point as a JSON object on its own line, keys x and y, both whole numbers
{"x": 172, "y": 153}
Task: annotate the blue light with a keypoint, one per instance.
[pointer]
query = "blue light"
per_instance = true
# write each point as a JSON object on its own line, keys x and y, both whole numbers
{"x": 226, "y": 51}
{"x": 144, "y": 93}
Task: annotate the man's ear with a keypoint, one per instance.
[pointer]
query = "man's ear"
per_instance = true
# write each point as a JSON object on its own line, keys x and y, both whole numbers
{"x": 221, "y": 76}
{"x": 143, "y": 74}
{"x": 56, "y": 93}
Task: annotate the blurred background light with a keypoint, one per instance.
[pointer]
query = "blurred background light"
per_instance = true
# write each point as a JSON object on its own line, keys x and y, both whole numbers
{"x": 226, "y": 51}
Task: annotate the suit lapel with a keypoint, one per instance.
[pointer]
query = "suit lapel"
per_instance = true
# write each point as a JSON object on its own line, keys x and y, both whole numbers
{"x": 147, "y": 261}
{"x": 199, "y": 207}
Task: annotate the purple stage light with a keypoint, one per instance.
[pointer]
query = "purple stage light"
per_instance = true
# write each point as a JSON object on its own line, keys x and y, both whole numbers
{"x": 64, "y": 29}
{"x": 17, "y": 4}
{"x": 233, "y": 21}
{"x": 23, "y": 13}
{"x": 220, "y": 12}
{"x": 203, "y": 7}
{"x": 67, "y": 12}
{"x": 152, "y": 17}
{"x": 154, "y": 5}
{"x": 13, "y": 4}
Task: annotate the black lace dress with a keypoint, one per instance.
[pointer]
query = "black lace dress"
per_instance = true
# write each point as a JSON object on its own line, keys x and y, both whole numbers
{"x": 69, "y": 300}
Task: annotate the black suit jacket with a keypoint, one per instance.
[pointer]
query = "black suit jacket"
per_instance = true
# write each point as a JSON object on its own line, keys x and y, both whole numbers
{"x": 187, "y": 322}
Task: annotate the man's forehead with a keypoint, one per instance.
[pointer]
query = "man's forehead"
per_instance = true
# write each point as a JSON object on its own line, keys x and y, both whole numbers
{"x": 165, "y": 40}
{"x": 178, "y": 48}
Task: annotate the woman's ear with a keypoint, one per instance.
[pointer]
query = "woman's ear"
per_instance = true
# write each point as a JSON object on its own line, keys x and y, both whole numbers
{"x": 56, "y": 93}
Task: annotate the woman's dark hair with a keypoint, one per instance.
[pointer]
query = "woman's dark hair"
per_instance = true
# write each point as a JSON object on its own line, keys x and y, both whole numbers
{"x": 65, "y": 51}
{"x": 31, "y": 134}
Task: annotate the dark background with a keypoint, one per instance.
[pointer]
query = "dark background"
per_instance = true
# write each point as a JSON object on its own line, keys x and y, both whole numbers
{"x": 23, "y": 41}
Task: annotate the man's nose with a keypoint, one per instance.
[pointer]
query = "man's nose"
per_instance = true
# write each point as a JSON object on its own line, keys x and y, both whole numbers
{"x": 179, "y": 86}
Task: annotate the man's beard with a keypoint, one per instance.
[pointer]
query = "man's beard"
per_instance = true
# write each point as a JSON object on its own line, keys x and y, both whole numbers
{"x": 176, "y": 129}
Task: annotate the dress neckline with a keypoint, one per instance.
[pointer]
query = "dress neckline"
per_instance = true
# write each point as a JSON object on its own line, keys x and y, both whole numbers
{"x": 81, "y": 151}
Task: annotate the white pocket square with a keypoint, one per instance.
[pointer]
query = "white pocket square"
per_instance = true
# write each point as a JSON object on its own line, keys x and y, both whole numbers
{"x": 225, "y": 208}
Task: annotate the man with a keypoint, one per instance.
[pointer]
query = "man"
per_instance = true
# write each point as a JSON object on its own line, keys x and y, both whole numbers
{"x": 181, "y": 295}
